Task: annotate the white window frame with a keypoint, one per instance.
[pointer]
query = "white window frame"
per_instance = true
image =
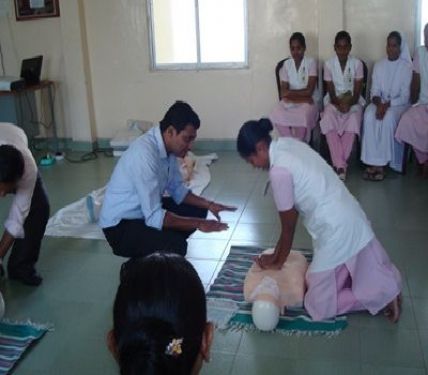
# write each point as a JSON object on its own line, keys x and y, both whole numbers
{"x": 198, "y": 65}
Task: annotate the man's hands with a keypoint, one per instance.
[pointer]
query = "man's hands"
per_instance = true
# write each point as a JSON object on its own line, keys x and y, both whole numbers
{"x": 215, "y": 225}
{"x": 212, "y": 226}
{"x": 216, "y": 208}
{"x": 190, "y": 223}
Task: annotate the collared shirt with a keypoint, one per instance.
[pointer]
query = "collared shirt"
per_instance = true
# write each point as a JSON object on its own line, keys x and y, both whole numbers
{"x": 343, "y": 80}
{"x": 142, "y": 175}
{"x": 15, "y": 136}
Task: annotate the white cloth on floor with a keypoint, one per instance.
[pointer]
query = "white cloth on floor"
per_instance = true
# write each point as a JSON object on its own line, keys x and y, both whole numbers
{"x": 79, "y": 219}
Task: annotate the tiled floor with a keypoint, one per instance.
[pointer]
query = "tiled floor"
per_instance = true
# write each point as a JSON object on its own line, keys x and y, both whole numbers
{"x": 80, "y": 278}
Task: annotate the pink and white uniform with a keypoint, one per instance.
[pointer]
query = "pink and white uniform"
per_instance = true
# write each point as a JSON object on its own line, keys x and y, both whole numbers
{"x": 413, "y": 125}
{"x": 296, "y": 119}
{"x": 350, "y": 270}
{"x": 340, "y": 128}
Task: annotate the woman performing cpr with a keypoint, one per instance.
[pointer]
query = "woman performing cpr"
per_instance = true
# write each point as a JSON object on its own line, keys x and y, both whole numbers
{"x": 350, "y": 270}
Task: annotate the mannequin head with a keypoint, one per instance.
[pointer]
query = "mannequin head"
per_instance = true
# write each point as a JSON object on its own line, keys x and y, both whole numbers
{"x": 273, "y": 291}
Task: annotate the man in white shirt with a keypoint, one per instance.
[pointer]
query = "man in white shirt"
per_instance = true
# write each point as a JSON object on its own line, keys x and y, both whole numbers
{"x": 29, "y": 212}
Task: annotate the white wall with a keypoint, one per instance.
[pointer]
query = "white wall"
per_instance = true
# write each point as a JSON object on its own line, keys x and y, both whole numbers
{"x": 104, "y": 75}
{"x": 370, "y": 24}
{"x": 124, "y": 87}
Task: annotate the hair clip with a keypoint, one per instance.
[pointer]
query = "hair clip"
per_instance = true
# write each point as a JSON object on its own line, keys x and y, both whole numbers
{"x": 174, "y": 347}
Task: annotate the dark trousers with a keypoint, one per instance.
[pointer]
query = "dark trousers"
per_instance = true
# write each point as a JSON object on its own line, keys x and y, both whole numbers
{"x": 25, "y": 251}
{"x": 133, "y": 238}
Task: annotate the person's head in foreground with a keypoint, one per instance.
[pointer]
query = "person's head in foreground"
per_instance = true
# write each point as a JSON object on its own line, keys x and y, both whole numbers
{"x": 253, "y": 142}
{"x": 160, "y": 318}
{"x": 11, "y": 169}
{"x": 179, "y": 128}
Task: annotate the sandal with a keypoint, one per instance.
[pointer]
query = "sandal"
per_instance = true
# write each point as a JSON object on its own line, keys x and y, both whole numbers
{"x": 367, "y": 174}
{"x": 373, "y": 175}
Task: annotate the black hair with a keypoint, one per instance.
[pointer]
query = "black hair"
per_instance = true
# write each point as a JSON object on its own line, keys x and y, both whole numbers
{"x": 342, "y": 35}
{"x": 299, "y": 37}
{"x": 160, "y": 298}
{"x": 11, "y": 164}
{"x": 396, "y": 35}
{"x": 179, "y": 115}
{"x": 251, "y": 133}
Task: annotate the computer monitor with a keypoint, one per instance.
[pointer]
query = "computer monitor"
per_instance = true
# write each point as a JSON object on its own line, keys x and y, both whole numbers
{"x": 31, "y": 69}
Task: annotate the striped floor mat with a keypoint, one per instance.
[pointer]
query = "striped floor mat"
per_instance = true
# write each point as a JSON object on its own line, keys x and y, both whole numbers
{"x": 15, "y": 338}
{"x": 228, "y": 286}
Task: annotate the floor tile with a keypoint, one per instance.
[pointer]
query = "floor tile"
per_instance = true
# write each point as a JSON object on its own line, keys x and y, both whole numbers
{"x": 205, "y": 269}
{"x": 345, "y": 346}
{"x": 220, "y": 363}
{"x": 269, "y": 344}
{"x": 324, "y": 367}
{"x": 206, "y": 249}
{"x": 260, "y": 364}
{"x": 391, "y": 348}
{"x": 389, "y": 370}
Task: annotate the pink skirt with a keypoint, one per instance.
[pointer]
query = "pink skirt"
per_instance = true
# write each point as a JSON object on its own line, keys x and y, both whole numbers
{"x": 333, "y": 120}
{"x": 413, "y": 128}
{"x": 301, "y": 115}
{"x": 367, "y": 281}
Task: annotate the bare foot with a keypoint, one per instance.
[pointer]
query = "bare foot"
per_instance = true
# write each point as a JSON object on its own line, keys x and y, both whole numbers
{"x": 392, "y": 310}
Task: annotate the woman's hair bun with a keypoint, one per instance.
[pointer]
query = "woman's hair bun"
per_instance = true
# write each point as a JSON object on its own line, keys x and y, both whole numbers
{"x": 266, "y": 125}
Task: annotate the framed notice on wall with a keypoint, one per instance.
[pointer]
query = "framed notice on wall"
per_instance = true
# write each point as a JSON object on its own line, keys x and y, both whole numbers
{"x": 32, "y": 9}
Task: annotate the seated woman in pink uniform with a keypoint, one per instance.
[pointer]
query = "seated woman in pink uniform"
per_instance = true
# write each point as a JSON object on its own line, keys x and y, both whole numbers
{"x": 413, "y": 125}
{"x": 297, "y": 112}
{"x": 343, "y": 104}
{"x": 350, "y": 270}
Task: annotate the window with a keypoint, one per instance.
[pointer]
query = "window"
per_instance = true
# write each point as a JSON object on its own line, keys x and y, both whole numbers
{"x": 198, "y": 34}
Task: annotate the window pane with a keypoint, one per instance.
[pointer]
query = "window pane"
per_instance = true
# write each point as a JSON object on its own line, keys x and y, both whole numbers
{"x": 174, "y": 29}
{"x": 222, "y": 30}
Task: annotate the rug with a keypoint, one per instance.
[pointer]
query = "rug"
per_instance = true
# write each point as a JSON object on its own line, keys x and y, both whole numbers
{"x": 79, "y": 219}
{"x": 15, "y": 338}
{"x": 228, "y": 287}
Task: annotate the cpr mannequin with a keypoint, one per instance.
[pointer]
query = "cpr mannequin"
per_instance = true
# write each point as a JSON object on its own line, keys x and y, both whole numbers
{"x": 187, "y": 165}
{"x": 273, "y": 291}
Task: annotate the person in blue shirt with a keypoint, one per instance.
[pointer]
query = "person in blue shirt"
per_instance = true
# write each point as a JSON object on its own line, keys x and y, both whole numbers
{"x": 136, "y": 218}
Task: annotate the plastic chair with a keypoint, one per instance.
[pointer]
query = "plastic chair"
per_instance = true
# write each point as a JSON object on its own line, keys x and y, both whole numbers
{"x": 278, "y": 80}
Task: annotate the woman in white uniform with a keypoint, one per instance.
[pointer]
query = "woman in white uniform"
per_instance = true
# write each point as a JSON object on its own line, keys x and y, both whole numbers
{"x": 350, "y": 270}
{"x": 390, "y": 95}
